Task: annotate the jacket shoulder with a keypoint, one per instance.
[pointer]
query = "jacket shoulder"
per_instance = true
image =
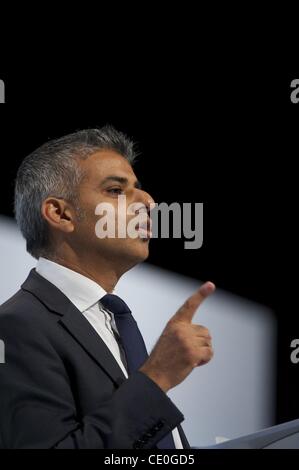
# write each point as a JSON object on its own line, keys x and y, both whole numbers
{"x": 21, "y": 307}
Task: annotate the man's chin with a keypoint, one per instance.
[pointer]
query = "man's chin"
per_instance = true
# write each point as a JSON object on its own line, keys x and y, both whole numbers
{"x": 140, "y": 250}
{"x": 127, "y": 254}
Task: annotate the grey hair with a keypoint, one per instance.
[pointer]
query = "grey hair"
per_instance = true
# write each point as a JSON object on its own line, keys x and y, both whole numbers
{"x": 52, "y": 170}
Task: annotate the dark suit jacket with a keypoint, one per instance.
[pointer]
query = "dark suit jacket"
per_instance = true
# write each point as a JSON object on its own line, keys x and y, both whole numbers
{"x": 60, "y": 386}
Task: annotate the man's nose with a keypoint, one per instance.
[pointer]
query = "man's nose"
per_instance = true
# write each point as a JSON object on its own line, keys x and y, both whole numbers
{"x": 147, "y": 200}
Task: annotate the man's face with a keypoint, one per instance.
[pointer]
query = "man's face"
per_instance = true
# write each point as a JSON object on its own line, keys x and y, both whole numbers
{"x": 109, "y": 175}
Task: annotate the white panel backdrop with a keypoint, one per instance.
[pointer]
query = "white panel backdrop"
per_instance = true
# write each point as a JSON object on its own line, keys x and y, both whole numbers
{"x": 231, "y": 396}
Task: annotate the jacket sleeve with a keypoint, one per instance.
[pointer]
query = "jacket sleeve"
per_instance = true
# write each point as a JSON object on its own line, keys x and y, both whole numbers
{"x": 37, "y": 404}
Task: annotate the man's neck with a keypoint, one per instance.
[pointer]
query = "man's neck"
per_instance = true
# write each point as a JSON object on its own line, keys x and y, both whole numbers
{"x": 106, "y": 276}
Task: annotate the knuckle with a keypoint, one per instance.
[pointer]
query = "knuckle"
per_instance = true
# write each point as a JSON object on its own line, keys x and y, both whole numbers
{"x": 206, "y": 355}
{"x": 209, "y": 353}
{"x": 189, "y": 352}
{"x": 189, "y": 304}
{"x": 174, "y": 328}
{"x": 172, "y": 325}
{"x": 205, "y": 332}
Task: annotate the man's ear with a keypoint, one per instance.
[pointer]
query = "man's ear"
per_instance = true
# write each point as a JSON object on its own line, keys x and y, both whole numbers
{"x": 59, "y": 214}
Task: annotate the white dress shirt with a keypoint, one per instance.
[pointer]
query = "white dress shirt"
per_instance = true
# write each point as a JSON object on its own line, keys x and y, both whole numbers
{"x": 85, "y": 294}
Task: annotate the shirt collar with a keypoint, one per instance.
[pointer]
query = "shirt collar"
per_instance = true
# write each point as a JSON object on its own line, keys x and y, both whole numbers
{"x": 80, "y": 290}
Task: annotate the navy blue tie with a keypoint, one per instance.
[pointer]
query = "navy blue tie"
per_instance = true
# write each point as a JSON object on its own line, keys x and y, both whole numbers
{"x": 133, "y": 344}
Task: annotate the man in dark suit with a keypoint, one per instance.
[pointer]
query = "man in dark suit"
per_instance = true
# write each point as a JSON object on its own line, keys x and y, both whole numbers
{"x": 76, "y": 372}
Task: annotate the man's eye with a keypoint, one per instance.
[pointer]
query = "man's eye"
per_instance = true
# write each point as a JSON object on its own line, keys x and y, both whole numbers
{"x": 115, "y": 191}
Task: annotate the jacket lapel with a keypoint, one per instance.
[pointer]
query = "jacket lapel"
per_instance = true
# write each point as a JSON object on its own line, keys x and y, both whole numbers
{"x": 84, "y": 333}
{"x": 75, "y": 323}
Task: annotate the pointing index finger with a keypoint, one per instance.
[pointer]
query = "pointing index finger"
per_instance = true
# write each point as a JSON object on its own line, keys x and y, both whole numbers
{"x": 189, "y": 308}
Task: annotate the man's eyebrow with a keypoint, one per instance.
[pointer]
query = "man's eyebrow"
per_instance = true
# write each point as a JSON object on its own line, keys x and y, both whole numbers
{"x": 121, "y": 180}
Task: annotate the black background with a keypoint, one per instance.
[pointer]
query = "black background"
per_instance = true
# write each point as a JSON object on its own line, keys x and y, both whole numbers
{"x": 223, "y": 134}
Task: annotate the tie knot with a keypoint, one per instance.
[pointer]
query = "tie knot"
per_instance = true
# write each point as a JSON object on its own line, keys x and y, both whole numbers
{"x": 115, "y": 304}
